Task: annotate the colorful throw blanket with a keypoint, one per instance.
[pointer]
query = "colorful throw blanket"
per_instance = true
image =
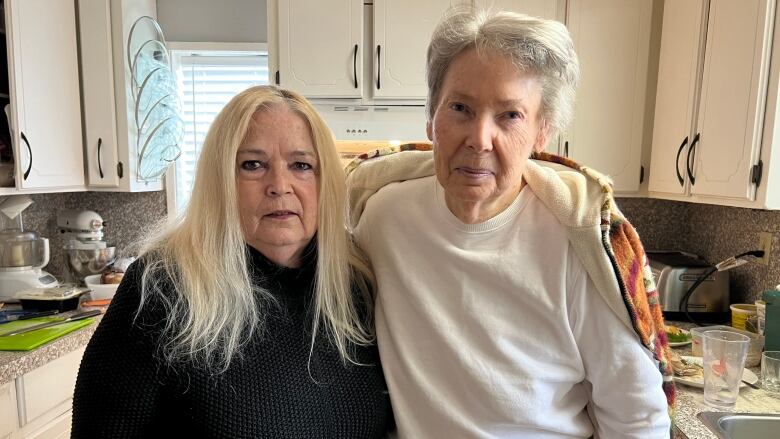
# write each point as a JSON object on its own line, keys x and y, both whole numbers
{"x": 624, "y": 250}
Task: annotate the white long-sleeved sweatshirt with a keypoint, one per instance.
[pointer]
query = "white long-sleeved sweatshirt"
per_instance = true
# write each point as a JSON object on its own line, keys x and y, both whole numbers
{"x": 496, "y": 330}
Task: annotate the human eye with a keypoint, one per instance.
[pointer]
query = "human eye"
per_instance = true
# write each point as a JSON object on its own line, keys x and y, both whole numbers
{"x": 252, "y": 165}
{"x": 302, "y": 166}
{"x": 457, "y": 106}
{"x": 515, "y": 115}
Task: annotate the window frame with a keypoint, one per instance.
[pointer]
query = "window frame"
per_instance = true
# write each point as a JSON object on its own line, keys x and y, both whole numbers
{"x": 174, "y": 51}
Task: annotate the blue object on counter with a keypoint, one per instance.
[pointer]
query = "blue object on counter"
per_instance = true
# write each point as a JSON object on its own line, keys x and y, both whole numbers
{"x": 13, "y": 315}
{"x": 772, "y": 324}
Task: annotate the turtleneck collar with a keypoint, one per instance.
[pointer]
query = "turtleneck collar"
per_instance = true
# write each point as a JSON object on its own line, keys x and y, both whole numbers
{"x": 274, "y": 275}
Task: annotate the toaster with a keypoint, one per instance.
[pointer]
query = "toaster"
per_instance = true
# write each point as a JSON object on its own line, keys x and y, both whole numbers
{"x": 676, "y": 272}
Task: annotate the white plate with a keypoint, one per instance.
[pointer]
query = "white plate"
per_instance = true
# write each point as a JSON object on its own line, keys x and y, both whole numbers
{"x": 677, "y": 344}
{"x": 698, "y": 381}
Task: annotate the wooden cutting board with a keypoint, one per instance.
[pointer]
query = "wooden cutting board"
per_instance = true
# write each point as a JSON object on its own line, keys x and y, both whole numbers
{"x": 33, "y": 339}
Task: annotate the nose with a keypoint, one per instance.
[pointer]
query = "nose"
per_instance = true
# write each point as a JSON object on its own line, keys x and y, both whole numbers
{"x": 278, "y": 181}
{"x": 481, "y": 134}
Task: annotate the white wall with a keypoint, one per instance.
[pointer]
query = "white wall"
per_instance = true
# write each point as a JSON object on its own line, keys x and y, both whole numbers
{"x": 226, "y": 21}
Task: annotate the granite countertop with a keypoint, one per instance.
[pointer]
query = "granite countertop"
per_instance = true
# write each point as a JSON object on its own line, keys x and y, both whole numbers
{"x": 17, "y": 363}
{"x": 690, "y": 402}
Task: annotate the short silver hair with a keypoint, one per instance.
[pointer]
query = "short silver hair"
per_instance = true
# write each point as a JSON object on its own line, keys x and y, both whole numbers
{"x": 534, "y": 45}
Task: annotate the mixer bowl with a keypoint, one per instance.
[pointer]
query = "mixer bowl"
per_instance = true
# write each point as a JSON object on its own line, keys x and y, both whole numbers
{"x": 86, "y": 262}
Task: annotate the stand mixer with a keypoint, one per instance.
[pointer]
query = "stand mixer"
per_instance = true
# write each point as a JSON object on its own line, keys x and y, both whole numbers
{"x": 23, "y": 253}
{"x": 86, "y": 251}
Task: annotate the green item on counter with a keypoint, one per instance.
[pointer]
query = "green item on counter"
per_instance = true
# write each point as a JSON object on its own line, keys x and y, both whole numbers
{"x": 33, "y": 339}
{"x": 677, "y": 337}
{"x": 772, "y": 323}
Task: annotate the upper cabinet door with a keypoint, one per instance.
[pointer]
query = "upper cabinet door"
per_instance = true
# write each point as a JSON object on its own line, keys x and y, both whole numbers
{"x": 402, "y": 31}
{"x": 676, "y": 96}
{"x": 550, "y": 9}
{"x": 733, "y": 93}
{"x": 320, "y": 47}
{"x": 612, "y": 39}
{"x": 97, "y": 72}
{"x": 44, "y": 83}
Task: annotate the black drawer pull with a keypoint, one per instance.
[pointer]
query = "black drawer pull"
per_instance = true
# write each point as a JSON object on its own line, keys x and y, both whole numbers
{"x": 100, "y": 165}
{"x": 29, "y": 167}
{"x": 354, "y": 65}
{"x": 378, "y": 67}
{"x": 691, "y": 153}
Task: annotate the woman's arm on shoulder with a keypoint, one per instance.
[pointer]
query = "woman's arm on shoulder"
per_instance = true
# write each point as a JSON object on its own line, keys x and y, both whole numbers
{"x": 118, "y": 388}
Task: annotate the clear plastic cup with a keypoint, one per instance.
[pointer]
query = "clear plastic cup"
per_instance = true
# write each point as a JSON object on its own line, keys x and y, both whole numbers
{"x": 724, "y": 355}
{"x": 770, "y": 371}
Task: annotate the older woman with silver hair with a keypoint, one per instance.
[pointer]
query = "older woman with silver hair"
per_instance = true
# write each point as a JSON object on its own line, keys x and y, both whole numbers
{"x": 514, "y": 299}
{"x": 251, "y": 315}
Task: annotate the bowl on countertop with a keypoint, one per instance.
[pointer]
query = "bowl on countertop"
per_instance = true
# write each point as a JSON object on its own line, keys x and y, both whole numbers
{"x": 86, "y": 262}
{"x": 100, "y": 291}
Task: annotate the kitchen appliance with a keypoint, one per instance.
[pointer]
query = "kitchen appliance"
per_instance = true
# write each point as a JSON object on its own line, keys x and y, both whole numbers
{"x": 87, "y": 252}
{"x": 676, "y": 272}
{"x": 23, "y": 253}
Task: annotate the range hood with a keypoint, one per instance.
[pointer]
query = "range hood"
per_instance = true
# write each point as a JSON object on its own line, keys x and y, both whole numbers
{"x": 392, "y": 123}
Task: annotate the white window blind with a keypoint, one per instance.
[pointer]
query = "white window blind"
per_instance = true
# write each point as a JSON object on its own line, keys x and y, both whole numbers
{"x": 207, "y": 80}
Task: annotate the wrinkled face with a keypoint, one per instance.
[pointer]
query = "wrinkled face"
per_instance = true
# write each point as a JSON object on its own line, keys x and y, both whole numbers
{"x": 277, "y": 171}
{"x": 485, "y": 127}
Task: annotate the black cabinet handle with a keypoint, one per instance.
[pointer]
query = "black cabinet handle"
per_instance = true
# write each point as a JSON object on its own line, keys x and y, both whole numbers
{"x": 677, "y": 162}
{"x": 378, "y": 67}
{"x": 691, "y": 153}
{"x": 29, "y": 167}
{"x": 277, "y": 77}
{"x": 566, "y": 148}
{"x": 354, "y": 65}
{"x": 100, "y": 165}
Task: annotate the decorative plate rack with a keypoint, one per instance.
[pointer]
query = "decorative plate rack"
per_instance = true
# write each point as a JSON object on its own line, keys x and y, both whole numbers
{"x": 157, "y": 109}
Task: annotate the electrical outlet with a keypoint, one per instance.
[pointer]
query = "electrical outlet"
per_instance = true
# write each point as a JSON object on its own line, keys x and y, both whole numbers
{"x": 765, "y": 244}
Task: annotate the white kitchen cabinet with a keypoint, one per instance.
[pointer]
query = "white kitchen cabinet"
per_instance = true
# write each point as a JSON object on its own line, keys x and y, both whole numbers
{"x": 612, "y": 40}
{"x": 711, "y": 100}
{"x": 111, "y": 143}
{"x": 729, "y": 124}
{"x": 9, "y": 419}
{"x": 402, "y": 31}
{"x": 353, "y": 49}
{"x": 45, "y": 109}
{"x": 550, "y": 9}
{"x": 320, "y": 47}
{"x": 39, "y": 404}
{"x": 679, "y": 75}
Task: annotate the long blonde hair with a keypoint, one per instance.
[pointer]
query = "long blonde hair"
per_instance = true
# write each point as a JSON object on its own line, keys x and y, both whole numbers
{"x": 215, "y": 308}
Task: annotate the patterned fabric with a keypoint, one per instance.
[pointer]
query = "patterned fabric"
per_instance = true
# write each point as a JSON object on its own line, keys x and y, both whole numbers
{"x": 634, "y": 276}
{"x": 385, "y": 151}
{"x": 625, "y": 252}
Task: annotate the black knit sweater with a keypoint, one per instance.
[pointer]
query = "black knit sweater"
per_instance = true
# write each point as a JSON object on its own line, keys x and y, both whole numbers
{"x": 125, "y": 390}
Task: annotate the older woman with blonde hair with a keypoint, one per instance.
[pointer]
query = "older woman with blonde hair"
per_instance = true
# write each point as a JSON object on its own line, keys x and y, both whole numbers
{"x": 514, "y": 299}
{"x": 250, "y": 316}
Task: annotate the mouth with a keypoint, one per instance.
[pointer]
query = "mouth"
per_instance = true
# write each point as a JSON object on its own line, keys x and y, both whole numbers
{"x": 280, "y": 214}
{"x": 474, "y": 172}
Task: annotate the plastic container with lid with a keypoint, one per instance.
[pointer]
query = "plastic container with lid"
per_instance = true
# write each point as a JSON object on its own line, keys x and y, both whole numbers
{"x": 754, "y": 348}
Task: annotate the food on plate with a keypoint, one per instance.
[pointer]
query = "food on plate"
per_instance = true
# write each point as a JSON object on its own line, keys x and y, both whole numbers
{"x": 111, "y": 277}
{"x": 684, "y": 368}
{"x": 677, "y": 335}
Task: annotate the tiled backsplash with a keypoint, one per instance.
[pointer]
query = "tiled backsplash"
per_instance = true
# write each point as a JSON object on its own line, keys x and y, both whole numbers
{"x": 128, "y": 218}
{"x": 713, "y": 232}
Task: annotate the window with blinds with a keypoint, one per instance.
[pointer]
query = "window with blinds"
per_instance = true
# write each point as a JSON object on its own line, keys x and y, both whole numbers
{"x": 207, "y": 81}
